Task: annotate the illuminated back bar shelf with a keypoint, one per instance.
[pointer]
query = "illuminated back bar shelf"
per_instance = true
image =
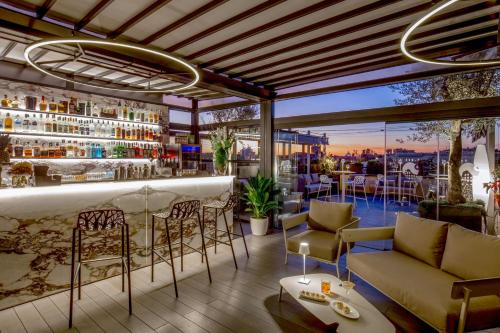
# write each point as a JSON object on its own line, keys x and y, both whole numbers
{"x": 4, "y": 110}
{"x": 58, "y": 136}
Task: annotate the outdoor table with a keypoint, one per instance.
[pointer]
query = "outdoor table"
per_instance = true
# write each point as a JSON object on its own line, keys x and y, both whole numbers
{"x": 342, "y": 181}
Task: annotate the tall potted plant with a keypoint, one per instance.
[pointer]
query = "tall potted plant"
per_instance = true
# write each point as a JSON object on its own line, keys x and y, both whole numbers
{"x": 259, "y": 195}
{"x": 222, "y": 142}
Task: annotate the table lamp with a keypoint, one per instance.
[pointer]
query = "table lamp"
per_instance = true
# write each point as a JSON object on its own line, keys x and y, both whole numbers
{"x": 304, "y": 250}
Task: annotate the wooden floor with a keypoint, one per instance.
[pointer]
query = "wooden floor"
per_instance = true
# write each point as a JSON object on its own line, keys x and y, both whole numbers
{"x": 242, "y": 301}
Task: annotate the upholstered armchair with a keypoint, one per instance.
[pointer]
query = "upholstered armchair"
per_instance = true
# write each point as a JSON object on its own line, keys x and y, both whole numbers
{"x": 325, "y": 222}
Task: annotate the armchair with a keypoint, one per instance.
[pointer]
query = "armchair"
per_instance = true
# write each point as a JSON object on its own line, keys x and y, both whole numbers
{"x": 325, "y": 221}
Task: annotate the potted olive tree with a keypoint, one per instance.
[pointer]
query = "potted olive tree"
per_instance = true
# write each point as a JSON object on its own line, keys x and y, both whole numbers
{"x": 259, "y": 196}
{"x": 222, "y": 142}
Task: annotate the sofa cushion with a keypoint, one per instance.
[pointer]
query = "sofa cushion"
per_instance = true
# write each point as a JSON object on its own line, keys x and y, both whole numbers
{"x": 328, "y": 216}
{"x": 470, "y": 254}
{"x": 308, "y": 179}
{"x": 420, "y": 238}
{"x": 422, "y": 289}
{"x": 322, "y": 244}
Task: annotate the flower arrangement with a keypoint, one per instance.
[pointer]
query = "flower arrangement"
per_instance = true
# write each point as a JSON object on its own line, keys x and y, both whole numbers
{"x": 222, "y": 142}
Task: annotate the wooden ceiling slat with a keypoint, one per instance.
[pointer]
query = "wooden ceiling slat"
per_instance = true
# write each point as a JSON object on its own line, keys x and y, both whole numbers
{"x": 397, "y": 60}
{"x": 279, "y": 21}
{"x": 44, "y": 9}
{"x": 380, "y": 55}
{"x": 224, "y": 24}
{"x": 186, "y": 19}
{"x": 298, "y": 32}
{"x": 348, "y": 43}
{"x": 366, "y": 25}
{"x": 96, "y": 10}
{"x": 149, "y": 10}
{"x": 7, "y": 49}
{"x": 84, "y": 69}
{"x": 338, "y": 56}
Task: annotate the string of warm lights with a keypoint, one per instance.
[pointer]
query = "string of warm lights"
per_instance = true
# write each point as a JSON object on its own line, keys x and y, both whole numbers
{"x": 406, "y": 35}
{"x": 83, "y": 41}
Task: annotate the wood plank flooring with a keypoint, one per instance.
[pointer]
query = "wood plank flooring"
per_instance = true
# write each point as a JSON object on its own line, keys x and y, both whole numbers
{"x": 242, "y": 301}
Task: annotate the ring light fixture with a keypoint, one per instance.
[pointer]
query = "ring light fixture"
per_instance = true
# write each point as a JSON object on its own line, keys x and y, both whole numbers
{"x": 406, "y": 35}
{"x": 88, "y": 41}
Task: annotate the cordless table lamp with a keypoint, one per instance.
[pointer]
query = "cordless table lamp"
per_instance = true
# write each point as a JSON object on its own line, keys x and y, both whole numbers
{"x": 304, "y": 250}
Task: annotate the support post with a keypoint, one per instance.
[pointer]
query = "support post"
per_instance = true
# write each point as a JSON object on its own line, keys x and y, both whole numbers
{"x": 266, "y": 137}
{"x": 195, "y": 128}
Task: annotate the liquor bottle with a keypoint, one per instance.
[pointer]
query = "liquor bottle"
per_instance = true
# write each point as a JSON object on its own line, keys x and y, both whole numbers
{"x": 72, "y": 105}
{"x": 76, "y": 150}
{"x": 125, "y": 112}
{"x": 103, "y": 151}
{"x": 87, "y": 128}
{"x": 54, "y": 124}
{"x": 28, "y": 150}
{"x": 120, "y": 110}
{"x": 150, "y": 116}
{"x": 52, "y": 106}
{"x": 156, "y": 117}
{"x": 43, "y": 104}
{"x": 26, "y": 123}
{"x": 71, "y": 126}
{"x": 81, "y": 127}
{"x": 133, "y": 133}
{"x": 59, "y": 125}
{"x": 91, "y": 128}
{"x": 146, "y": 134}
{"x": 47, "y": 125}
{"x": 82, "y": 150}
{"x": 5, "y": 102}
{"x": 141, "y": 135}
{"x": 65, "y": 125}
{"x": 131, "y": 114}
{"x": 44, "y": 153}
{"x": 18, "y": 123}
{"x": 62, "y": 148}
{"x": 118, "y": 132}
{"x": 18, "y": 149}
{"x": 88, "y": 150}
{"x": 88, "y": 109}
{"x": 62, "y": 107}
{"x": 123, "y": 134}
{"x": 57, "y": 151}
{"x": 70, "y": 150}
{"x": 128, "y": 132}
{"x": 142, "y": 116}
{"x": 1, "y": 121}
{"x": 76, "y": 126}
{"x": 15, "y": 103}
{"x": 37, "y": 124}
{"x": 111, "y": 129}
{"x": 95, "y": 111}
{"x": 97, "y": 129}
{"x": 36, "y": 150}
{"x": 98, "y": 151}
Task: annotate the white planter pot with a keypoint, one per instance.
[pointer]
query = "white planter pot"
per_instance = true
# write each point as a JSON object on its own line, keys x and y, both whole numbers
{"x": 259, "y": 226}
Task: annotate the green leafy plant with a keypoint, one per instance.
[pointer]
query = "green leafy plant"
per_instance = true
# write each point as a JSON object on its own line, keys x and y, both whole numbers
{"x": 222, "y": 143}
{"x": 259, "y": 195}
{"x": 328, "y": 165}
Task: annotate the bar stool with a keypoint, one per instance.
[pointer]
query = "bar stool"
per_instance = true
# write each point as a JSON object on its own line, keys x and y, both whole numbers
{"x": 180, "y": 212}
{"x": 99, "y": 220}
{"x": 221, "y": 207}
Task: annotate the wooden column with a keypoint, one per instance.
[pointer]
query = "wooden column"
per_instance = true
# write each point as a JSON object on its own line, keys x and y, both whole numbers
{"x": 195, "y": 128}
{"x": 266, "y": 137}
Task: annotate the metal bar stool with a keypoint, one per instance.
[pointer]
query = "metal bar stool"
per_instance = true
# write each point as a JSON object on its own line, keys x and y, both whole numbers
{"x": 179, "y": 213}
{"x": 99, "y": 220}
{"x": 221, "y": 207}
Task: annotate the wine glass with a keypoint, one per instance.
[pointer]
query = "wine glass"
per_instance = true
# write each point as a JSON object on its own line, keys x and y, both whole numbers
{"x": 347, "y": 285}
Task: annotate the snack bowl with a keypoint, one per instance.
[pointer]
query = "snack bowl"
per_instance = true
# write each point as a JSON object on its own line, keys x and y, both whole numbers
{"x": 344, "y": 309}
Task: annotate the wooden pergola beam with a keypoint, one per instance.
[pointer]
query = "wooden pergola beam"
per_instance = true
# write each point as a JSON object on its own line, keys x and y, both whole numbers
{"x": 149, "y": 10}
{"x": 226, "y": 23}
{"x": 183, "y": 20}
{"x": 44, "y": 9}
{"x": 96, "y": 10}
{"x": 275, "y": 23}
{"x": 301, "y": 31}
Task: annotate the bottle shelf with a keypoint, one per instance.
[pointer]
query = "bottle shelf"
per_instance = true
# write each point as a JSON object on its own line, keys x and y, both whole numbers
{"x": 24, "y": 111}
{"x": 72, "y": 136}
{"x": 75, "y": 159}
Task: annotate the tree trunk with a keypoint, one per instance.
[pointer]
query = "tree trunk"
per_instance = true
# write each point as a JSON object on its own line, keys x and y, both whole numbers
{"x": 455, "y": 195}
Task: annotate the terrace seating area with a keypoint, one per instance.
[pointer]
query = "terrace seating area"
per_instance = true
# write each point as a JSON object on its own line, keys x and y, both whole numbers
{"x": 263, "y": 166}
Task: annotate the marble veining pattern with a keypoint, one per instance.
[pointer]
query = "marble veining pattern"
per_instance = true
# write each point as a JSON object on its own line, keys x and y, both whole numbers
{"x": 36, "y": 230}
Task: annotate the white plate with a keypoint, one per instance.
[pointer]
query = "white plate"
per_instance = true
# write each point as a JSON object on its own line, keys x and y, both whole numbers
{"x": 353, "y": 313}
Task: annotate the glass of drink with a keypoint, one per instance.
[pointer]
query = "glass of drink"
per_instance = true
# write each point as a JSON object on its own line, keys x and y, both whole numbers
{"x": 347, "y": 285}
{"x": 325, "y": 286}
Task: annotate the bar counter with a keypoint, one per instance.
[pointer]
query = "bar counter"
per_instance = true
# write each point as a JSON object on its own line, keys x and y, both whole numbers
{"x": 36, "y": 229}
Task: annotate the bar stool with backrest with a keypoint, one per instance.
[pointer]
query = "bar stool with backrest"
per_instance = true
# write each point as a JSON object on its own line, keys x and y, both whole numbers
{"x": 180, "y": 212}
{"x": 220, "y": 208}
{"x": 99, "y": 220}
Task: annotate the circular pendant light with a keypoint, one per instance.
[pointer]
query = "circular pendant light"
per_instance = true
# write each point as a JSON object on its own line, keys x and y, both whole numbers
{"x": 406, "y": 35}
{"x": 163, "y": 56}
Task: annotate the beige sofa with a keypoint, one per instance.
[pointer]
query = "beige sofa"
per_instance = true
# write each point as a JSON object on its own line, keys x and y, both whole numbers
{"x": 325, "y": 222}
{"x": 446, "y": 275}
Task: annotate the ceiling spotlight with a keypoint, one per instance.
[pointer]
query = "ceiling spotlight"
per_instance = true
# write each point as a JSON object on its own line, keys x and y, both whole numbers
{"x": 406, "y": 35}
{"x": 104, "y": 42}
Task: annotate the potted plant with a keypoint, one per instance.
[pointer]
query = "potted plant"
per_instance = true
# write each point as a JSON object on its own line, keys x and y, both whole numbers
{"x": 222, "y": 142}
{"x": 259, "y": 196}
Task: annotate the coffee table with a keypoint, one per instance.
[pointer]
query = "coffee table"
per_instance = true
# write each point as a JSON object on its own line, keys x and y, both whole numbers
{"x": 370, "y": 320}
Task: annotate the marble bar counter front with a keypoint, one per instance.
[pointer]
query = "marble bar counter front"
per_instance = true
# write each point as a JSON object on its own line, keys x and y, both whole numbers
{"x": 36, "y": 229}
